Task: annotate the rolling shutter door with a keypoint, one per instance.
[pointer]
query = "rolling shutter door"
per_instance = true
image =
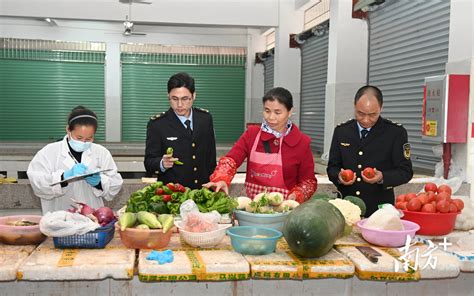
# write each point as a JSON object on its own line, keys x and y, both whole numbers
{"x": 268, "y": 73}
{"x": 314, "y": 65}
{"x": 408, "y": 42}
{"x": 219, "y": 89}
{"x": 39, "y": 88}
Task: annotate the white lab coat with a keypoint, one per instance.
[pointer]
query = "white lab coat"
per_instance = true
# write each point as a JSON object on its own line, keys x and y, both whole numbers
{"x": 50, "y": 163}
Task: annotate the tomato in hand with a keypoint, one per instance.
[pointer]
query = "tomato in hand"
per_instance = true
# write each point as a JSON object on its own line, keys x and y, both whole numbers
{"x": 347, "y": 175}
{"x": 431, "y": 187}
{"x": 369, "y": 172}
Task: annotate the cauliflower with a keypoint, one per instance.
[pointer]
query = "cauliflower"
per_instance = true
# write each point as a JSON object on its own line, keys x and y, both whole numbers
{"x": 350, "y": 211}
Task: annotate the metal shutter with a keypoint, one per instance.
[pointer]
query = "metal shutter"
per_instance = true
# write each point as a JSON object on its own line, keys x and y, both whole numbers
{"x": 38, "y": 89}
{"x": 314, "y": 65}
{"x": 268, "y": 73}
{"x": 408, "y": 42}
{"x": 219, "y": 88}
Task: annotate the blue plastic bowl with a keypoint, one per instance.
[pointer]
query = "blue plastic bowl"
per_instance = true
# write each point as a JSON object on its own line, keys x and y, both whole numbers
{"x": 253, "y": 240}
{"x": 275, "y": 221}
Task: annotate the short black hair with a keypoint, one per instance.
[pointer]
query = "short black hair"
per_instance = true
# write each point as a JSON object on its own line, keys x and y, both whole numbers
{"x": 181, "y": 79}
{"x": 280, "y": 94}
{"x": 369, "y": 89}
{"x": 81, "y": 115}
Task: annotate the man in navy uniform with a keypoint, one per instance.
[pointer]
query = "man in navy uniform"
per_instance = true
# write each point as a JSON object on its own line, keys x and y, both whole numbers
{"x": 189, "y": 131}
{"x": 370, "y": 141}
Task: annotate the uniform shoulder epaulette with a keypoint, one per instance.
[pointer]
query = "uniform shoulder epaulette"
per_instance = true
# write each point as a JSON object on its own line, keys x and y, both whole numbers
{"x": 392, "y": 122}
{"x": 346, "y": 122}
{"x": 202, "y": 110}
{"x": 156, "y": 116}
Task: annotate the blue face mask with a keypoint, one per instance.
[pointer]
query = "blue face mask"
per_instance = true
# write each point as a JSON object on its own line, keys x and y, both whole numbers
{"x": 79, "y": 146}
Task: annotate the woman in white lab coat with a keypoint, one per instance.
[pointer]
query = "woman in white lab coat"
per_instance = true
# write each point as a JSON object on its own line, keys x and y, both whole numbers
{"x": 75, "y": 155}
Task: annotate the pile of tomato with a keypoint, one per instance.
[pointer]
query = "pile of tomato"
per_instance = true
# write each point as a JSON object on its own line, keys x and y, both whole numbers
{"x": 435, "y": 199}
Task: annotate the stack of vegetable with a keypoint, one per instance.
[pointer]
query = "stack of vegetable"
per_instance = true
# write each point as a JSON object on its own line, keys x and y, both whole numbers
{"x": 102, "y": 215}
{"x": 166, "y": 199}
{"x": 146, "y": 220}
{"x": 266, "y": 203}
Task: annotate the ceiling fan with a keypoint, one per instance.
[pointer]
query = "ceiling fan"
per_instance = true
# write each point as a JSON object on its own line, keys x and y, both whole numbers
{"x": 128, "y": 24}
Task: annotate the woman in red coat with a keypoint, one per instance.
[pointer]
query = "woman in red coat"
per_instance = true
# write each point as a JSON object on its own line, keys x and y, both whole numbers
{"x": 279, "y": 156}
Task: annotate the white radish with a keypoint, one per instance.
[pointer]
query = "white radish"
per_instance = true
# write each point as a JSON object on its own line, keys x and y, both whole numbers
{"x": 243, "y": 201}
{"x": 287, "y": 205}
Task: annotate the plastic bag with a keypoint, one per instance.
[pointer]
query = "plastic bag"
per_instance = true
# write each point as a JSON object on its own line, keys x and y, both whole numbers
{"x": 456, "y": 165}
{"x": 62, "y": 223}
{"x": 387, "y": 217}
{"x": 465, "y": 220}
{"x": 195, "y": 221}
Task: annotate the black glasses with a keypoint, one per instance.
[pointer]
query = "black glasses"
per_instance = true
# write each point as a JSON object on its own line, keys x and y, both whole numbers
{"x": 183, "y": 100}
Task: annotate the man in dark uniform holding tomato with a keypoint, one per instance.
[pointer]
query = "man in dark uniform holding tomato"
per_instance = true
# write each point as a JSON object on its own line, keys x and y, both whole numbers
{"x": 188, "y": 131}
{"x": 371, "y": 143}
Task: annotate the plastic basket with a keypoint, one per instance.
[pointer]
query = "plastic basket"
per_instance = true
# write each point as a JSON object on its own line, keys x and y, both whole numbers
{"x": 203, "y": 239}
{"x": 96, "y": 239}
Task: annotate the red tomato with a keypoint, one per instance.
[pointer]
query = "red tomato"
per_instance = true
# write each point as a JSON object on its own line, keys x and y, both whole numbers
{"x": 410, "y": 196}
{"x": 443, "y": 196}
{"x": 459, "y": 203}
{"x": 347, "y": 175}
{"x": 402, "y": 205}
{"x": 401, "y": 197}
{"x": 428, "y": 208}
{"x": 431, "y": 196}
{"x": 423, "y": 198}
{"x": 445, "y": 188}
{"x": 368, "y": 172}
{"x": 399, "y": 205}
{"x": 453, "y": 208}
{"x": 430, "y": 187}
{"x": 414, "y": 205}
{"x": 434, "y": 203}
{"x": 442, "y": 206}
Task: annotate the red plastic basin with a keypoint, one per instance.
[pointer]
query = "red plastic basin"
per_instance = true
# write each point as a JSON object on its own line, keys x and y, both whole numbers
{"x": 432, "y": 223}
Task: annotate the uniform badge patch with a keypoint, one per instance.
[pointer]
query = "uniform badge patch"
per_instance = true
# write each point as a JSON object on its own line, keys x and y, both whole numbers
{"x": 406, "y": 150}
{"x": 172, "y": 138}
{"x": 345, "y": 144}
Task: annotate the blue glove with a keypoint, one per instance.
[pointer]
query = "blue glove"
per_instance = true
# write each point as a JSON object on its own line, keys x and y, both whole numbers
{"x": 93, "y": 180}
{"x": 161, "y": 257}
{"x": 77, "y": 169}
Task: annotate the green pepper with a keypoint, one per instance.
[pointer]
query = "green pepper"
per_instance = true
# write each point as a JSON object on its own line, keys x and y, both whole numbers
{"x": 130, "y": 208}
{"x": 175, "y": 196}
{"x": 202, "y": 208}
{"x": 169, "y": 151}
{"x": 167, "y": 190}
{"x": 173, "y": 207}
{"x": 158, "y": 208}
{"x": 141, "y": 206}
{"x": 156, "y": 198}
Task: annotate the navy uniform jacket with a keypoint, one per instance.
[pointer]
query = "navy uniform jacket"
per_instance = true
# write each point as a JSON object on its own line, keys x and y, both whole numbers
{"x": 197, "y": 152}
{"x": 385, "y": 148}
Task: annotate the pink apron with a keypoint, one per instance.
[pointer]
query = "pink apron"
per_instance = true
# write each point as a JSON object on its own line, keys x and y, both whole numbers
{"x": 265, "y": 172}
